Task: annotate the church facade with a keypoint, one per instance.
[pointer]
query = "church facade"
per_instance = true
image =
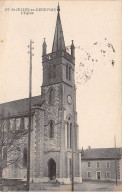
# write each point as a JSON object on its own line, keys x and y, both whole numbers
{"x": 54, "y": 135}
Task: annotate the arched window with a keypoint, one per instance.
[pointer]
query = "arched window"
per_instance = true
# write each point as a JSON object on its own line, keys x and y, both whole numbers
{"x": 50, "y": 72}
{"x": 70, "y": 73}
{"x": 8, "y": 124}
{"x": 54, "y": 71}
{"x": 67, "y": 134}
{"x": 51, "y": 96}
{"x": 69, "y": 131}
{"x": 70, "y": 135}
{"x": 70, "y": 167}
{"x": 22, "y": 124}
{"x": 66, "y": 72}
{"x": 25, "y": 157}
{"x": 51, "y": 129}
{"x": 4, "y": 155}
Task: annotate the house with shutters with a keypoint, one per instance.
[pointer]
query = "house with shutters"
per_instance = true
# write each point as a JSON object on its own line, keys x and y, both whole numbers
{"x": 102, "y": 164}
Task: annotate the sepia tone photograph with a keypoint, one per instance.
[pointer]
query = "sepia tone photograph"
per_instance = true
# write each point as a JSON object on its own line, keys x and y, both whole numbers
{"x": 60, "y": 96}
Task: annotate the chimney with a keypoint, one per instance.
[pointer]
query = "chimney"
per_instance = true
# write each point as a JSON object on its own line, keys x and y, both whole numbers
{"x": 89, "y": 147}
{"x": 82, "y": 152}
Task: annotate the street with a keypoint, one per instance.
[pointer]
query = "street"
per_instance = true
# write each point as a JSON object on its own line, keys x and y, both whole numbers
{"x": 86, "y": 186}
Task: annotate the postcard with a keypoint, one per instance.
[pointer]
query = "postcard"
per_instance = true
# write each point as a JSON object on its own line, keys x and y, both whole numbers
{"x": 60, "y": 96}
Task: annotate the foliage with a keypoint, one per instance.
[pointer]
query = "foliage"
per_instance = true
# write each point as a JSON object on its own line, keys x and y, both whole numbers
{"x": 12, "y": 142}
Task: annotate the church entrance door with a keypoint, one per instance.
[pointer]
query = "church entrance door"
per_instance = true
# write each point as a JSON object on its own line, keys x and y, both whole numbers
{"x": 52, "y": 169}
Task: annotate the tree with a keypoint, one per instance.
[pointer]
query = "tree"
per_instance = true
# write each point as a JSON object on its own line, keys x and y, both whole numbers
{"x": 13, "y": 138}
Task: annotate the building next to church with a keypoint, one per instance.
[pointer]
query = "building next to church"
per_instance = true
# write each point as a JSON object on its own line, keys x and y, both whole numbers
{"x": 54, "y": 119}
{"x": 102, "y": 164}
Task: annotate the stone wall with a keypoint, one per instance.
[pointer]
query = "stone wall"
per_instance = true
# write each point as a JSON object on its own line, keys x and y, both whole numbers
{"x": 37, "y": 144}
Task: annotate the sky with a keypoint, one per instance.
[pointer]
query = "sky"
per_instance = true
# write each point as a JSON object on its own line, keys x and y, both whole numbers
{"x": 95, "y": 28}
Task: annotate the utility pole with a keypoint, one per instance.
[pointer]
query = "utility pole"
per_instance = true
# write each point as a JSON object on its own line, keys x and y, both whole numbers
{"x": 72, "y": 164}
{"x": 115, "y": 160}
{"x": 72, "y": 131}
{"x": 29, "y": 129}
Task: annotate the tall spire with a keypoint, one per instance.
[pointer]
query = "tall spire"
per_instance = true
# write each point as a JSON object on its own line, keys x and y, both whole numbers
{"x": 58, "y": 42}
{"x": 58, "y": 8}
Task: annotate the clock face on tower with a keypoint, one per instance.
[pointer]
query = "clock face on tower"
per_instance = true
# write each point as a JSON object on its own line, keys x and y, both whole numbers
{"x": 69, "y": 99}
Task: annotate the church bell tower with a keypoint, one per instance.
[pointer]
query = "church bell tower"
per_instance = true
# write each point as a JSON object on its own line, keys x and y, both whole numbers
{"x": 60, "y": 116}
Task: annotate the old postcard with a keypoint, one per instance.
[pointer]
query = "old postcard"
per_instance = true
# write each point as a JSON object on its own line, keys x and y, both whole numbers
{"x": 60, "y": 95}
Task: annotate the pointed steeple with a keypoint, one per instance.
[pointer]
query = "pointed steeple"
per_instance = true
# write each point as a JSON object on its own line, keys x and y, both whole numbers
{"x": 58, "y": 42}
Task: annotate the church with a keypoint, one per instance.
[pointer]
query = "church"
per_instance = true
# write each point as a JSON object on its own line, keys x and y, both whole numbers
{"x": 54, "y": 134}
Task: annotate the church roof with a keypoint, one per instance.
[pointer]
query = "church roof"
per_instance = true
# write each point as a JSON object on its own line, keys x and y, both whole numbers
{"x": 19, "y": 106}
{"x": 101, "y": 153}
{"x": 58, "y": 42}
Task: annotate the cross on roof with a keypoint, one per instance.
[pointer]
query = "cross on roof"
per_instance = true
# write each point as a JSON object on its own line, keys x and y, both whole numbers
{"x": 58, "y": 8}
